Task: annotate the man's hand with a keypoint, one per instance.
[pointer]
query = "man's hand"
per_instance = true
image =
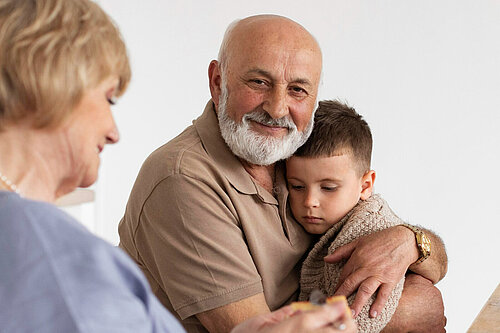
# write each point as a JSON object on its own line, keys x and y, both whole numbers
{"x": 376, "y": 261}
{"x": 285, "y": 320}
{"x": 379, "y": 260}
{"x": 420, "y": 309}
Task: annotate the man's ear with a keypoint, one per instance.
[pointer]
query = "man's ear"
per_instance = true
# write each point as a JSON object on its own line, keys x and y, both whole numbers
{"x": 215, "y": 81}
{"x": 367, "y": 184}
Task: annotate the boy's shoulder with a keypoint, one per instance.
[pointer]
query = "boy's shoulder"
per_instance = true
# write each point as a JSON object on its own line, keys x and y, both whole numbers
{"x": 373, "y": 206}
{"x": 368, "y": 216}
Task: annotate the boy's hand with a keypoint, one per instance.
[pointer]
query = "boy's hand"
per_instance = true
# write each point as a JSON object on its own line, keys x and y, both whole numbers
{"x": 375, "y": 262}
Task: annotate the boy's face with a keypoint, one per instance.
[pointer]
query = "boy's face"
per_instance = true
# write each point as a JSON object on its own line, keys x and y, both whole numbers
{"x": 323, "y": 190}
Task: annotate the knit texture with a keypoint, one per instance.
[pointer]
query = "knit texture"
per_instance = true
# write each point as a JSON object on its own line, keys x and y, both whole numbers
{"x": 366, "y": 217}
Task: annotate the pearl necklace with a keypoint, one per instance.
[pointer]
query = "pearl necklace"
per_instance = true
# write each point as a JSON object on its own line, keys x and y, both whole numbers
{"x": 13, "y": 187}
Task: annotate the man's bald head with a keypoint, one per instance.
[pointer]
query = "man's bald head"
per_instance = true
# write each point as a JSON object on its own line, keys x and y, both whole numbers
{"x": 265, "y": 30}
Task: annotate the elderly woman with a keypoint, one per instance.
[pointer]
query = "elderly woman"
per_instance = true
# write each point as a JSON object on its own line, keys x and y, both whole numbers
{"x": 62, "y": 66}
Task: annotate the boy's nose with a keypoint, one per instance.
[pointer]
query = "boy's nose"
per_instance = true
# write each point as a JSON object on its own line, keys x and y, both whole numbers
{"x": 311, "y": 200}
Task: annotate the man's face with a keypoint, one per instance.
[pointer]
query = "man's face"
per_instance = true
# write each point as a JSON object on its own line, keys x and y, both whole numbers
{"x": 253, "y": 146}
{"x": 269, "y": 93}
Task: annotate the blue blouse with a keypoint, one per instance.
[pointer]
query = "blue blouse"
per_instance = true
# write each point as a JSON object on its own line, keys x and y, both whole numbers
{"x": 55, "y": 276}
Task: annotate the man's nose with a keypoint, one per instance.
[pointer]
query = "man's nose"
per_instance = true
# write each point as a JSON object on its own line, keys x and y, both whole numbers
{"x": 276, "y": 103}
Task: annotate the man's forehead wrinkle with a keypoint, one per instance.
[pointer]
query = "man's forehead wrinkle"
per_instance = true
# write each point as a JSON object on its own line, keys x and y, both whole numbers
{"x": 281, "y": 56}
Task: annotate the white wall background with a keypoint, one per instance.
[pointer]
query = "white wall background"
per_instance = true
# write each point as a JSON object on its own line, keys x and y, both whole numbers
{"x": 425, "y": 74}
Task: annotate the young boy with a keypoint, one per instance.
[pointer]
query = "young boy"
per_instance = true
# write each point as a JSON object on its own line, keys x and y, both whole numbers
{"x": 330, "y": 193}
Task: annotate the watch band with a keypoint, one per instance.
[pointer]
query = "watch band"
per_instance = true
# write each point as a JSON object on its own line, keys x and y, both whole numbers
{"x": 423, "y": 242}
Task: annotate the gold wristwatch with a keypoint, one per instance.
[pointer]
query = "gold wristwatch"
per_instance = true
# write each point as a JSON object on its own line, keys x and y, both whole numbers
{"x": 423, "y": 242}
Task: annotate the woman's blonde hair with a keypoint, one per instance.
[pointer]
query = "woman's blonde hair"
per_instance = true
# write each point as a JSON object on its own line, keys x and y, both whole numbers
{"x": 51, "y": 52}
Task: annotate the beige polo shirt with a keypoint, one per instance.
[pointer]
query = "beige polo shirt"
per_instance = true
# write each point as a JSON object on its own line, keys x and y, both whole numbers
{"x": 205, "y": 233}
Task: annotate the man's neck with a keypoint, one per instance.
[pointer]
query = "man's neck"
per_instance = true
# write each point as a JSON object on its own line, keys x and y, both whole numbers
{"x": 263, "y": 174}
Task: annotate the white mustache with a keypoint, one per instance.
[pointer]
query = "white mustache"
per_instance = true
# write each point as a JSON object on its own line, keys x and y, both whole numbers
{"x": 265, "y": 119}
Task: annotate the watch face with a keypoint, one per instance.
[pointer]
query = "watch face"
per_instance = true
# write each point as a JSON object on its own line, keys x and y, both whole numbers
{"x": 425, "y": 245}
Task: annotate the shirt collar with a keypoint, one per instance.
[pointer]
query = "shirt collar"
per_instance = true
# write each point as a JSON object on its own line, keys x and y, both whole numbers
{"x": 208, "y": 129}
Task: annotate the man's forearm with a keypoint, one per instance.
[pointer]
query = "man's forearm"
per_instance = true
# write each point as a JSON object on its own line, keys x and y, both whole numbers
{"x": 225, "y": 318}
{"x": 435, "y": 266}
{"x": 420, "y": 309}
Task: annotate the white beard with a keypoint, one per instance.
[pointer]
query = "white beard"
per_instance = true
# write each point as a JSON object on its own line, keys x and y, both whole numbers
{"x": 253, "y": 147}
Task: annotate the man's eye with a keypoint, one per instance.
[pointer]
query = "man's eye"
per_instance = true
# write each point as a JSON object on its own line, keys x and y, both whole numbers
{"x": 259, "y": 82}
{"x": 299, "y": 91}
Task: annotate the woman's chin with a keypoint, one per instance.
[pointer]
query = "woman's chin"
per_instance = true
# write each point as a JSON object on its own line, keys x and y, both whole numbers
{"x": 89, "y": 179}
{"x": 88, "y": 182}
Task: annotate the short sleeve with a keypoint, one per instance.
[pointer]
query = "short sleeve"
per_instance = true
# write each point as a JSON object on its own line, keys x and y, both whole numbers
{"x": 188, "y": 230}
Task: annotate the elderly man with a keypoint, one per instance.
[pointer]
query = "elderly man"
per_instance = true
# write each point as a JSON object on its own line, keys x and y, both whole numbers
{"x": 207, "y": 219}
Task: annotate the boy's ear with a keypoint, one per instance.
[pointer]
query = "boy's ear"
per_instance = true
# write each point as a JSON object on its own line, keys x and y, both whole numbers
{"x": 367, "y": 182}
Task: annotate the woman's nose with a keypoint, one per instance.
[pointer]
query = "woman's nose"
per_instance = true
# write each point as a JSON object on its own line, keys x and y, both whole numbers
{"x": 113, "y": 136}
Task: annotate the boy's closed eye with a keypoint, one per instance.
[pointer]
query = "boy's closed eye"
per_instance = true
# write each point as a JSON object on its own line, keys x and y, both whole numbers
{"x": 296, "y": 187}
{"x": 329, "y": 188}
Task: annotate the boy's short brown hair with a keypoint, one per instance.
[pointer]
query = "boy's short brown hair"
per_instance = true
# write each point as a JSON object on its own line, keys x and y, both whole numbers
{"x": 339, "y": 129}
{"x": 51, "y": 52}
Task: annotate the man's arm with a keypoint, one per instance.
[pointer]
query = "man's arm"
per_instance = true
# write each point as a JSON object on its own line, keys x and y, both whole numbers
{"x": 435, "y": 266}
{"x": 225, "y": 318}
{"x": 379, "y": 260}
{"x": 420, "y": 309}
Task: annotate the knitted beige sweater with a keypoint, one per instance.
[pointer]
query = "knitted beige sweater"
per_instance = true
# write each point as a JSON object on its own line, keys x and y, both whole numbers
{"x": 365, "y": 218}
